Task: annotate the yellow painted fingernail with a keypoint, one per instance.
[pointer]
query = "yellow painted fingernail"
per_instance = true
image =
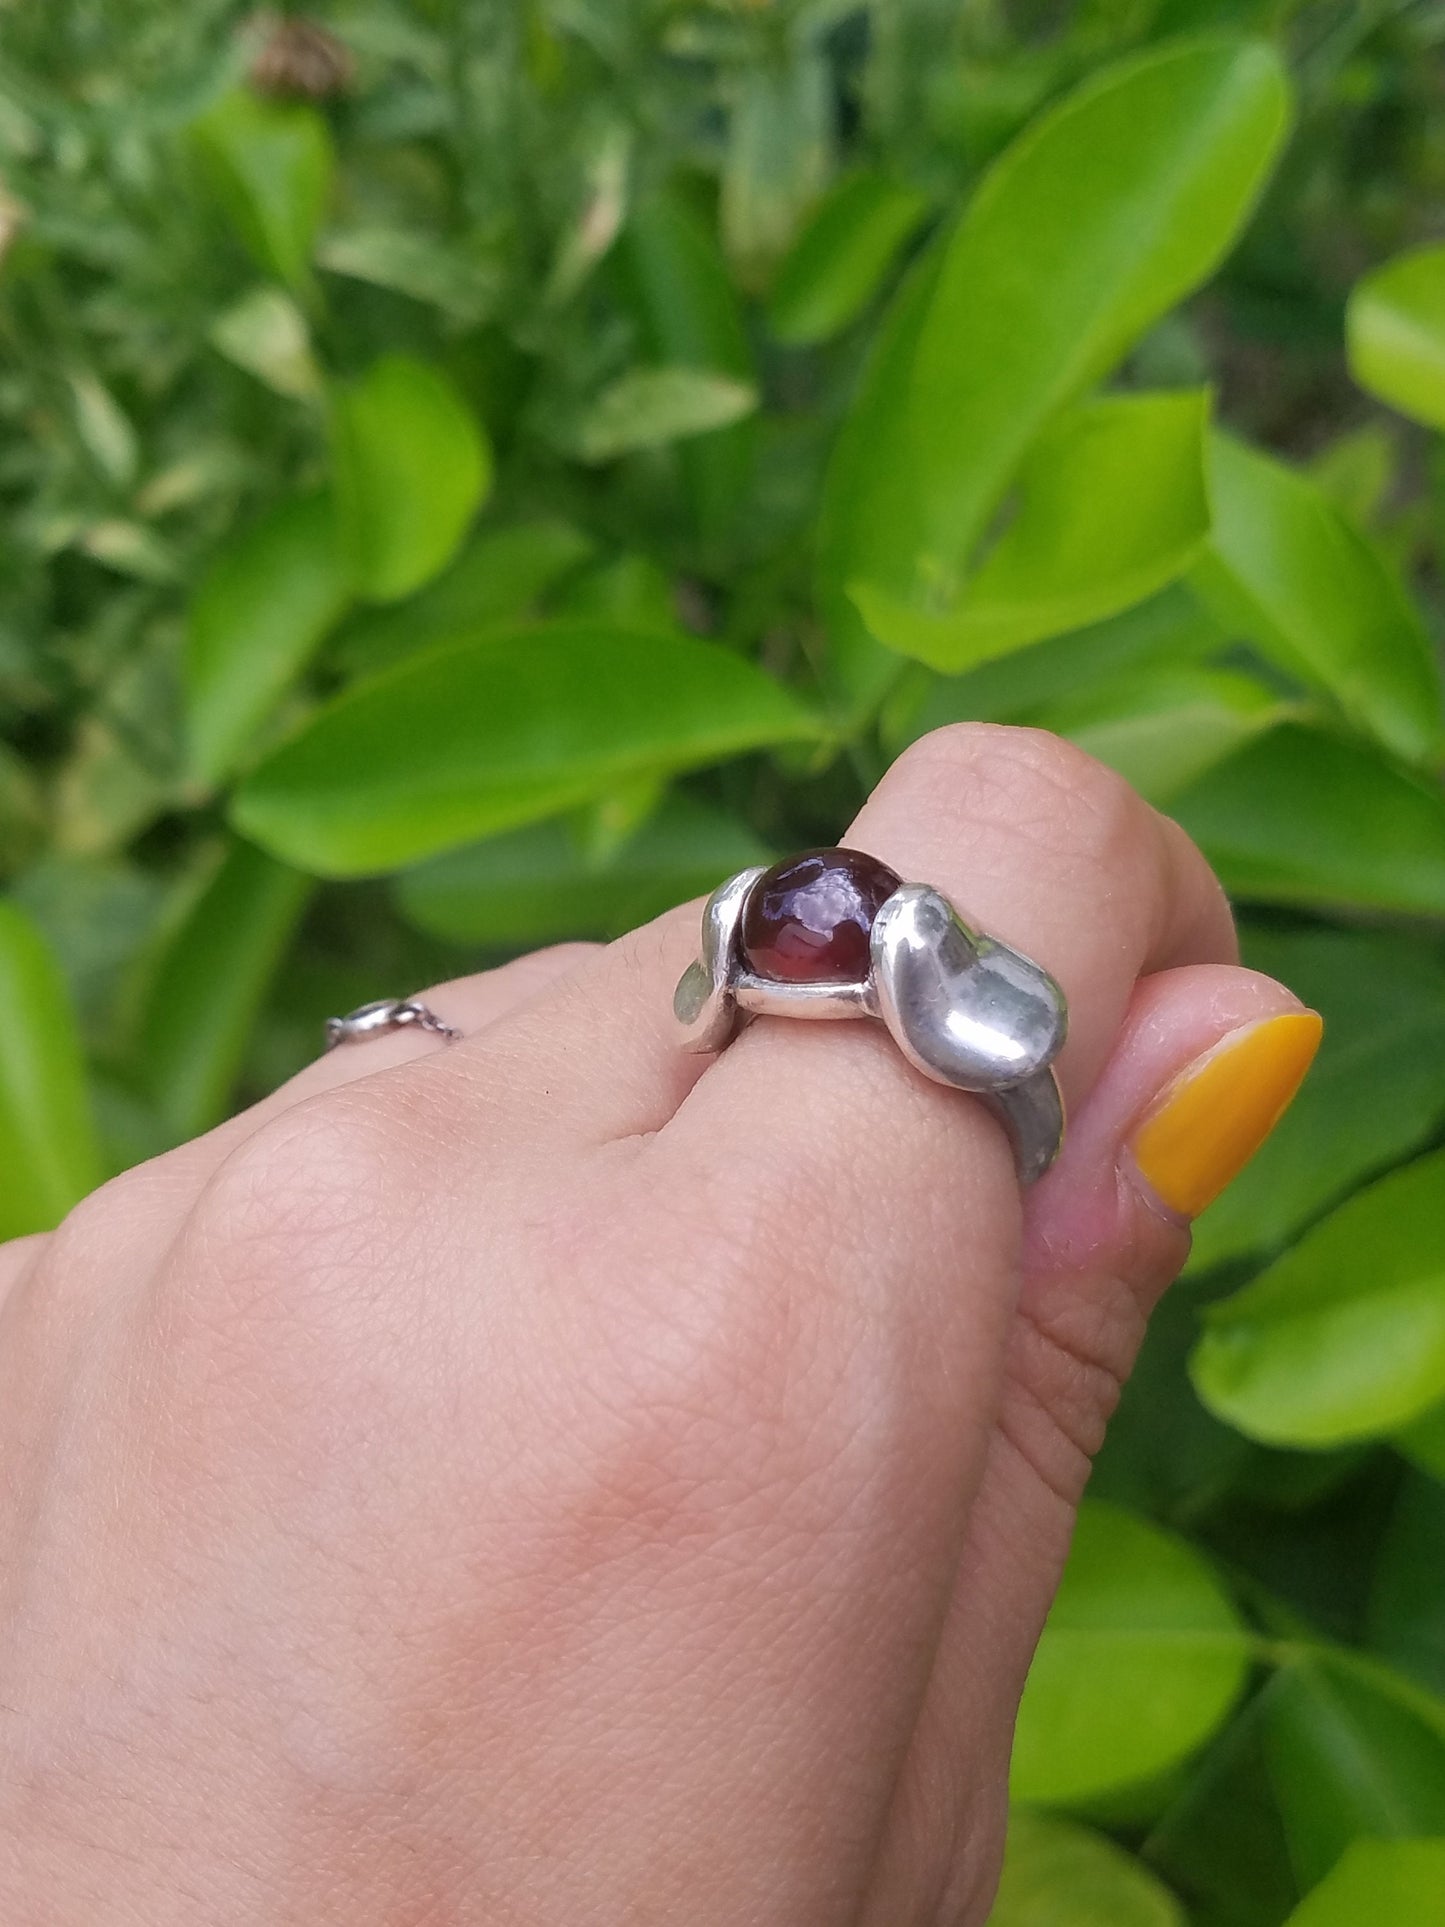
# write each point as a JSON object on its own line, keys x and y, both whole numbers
{"x": 1212, "y": 1119}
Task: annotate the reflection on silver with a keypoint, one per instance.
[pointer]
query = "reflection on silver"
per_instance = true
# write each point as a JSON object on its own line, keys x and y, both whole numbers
{"x": 964, "y": 1009}
{"x": 387, "y": 1013}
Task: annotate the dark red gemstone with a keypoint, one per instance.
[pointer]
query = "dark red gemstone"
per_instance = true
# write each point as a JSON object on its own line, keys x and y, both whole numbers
{"x": 807, "y": 920}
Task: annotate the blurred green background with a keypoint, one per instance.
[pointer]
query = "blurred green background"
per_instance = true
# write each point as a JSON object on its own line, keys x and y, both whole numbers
{"x": 477, "y": 471}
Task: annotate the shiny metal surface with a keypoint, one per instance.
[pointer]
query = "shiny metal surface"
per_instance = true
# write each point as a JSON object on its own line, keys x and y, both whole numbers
{"x": 705, "y": 1002}
{"x": 963, "y": 1008}
{"x": 387, "y": 1013}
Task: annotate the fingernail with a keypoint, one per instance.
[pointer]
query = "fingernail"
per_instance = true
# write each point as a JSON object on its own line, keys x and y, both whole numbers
{"x": 1206, "y": 1126}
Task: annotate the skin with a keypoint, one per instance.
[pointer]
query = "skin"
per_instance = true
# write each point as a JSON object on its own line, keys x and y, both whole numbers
{"x": 553, "y": 1479}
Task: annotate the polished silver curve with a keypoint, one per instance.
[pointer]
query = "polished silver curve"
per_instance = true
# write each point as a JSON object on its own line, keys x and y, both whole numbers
{"x": 963, "y": 1008}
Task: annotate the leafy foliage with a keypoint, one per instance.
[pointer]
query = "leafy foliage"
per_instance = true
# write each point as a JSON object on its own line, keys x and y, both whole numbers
{"x": 531, "y": 460}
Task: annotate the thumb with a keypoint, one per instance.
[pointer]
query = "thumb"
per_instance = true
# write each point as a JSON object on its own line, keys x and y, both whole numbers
{"x": 1204, "y": 1065}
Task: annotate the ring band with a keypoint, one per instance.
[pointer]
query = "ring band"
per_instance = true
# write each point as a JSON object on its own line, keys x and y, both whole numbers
{"x": 834, "y": 933}
{"x": 387, "y": 1013}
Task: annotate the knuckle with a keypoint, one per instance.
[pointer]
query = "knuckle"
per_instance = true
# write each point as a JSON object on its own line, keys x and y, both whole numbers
{"x": 90, "y": 1231}
{"x": 307, "y": 1174}
{"x": 287, "y": 1289}
{"x": 1030, "y": 783}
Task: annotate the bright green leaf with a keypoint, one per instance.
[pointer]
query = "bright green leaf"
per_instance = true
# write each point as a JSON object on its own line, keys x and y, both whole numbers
{"x": 650, "y": 407}
{"x": 501, "y": 575}
{"x": 270, "y": 165}
{"x": 1344, "y": 1336}
{"x": 1300, "y": 817}
{"x": 1394, "y": 1882}
{"x": 842, "y": 256}
{"x": 257, "y": 617}
{"x": 535, "y": 885}
{"x": 1097, "y": 220}
{"x": 1168, "y": 632}
{"x": 1141, "y": 1659}
{"x": 1374, "y": 1094}
{"x": 413, "y": 465}
{"x": 1112, "y": 506}
{"x": 205, "y": 983}
{"x": 1059, "y": 1874}
{"x": 490, "y": 734}
{"x": 1163, "y": 729}
{"x": 1287, "y": 571}
{"x": 48, "y": 1153}
{"x": 1395, "y": 330}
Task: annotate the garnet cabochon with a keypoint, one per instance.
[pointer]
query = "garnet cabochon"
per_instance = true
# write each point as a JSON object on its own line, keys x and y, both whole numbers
{"x": 808, "y": 919}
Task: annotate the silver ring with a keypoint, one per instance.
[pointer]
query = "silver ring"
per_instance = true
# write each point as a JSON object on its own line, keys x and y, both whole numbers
{"x": 964, "y": 1009}
{"x": 387, "y": 1013}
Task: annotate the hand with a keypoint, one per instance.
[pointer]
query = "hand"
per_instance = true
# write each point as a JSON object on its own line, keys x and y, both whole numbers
{"x": 552, "y": 1479}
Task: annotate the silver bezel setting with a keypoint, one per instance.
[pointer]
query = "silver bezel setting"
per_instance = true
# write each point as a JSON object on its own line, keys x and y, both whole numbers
{"x": 963, "y": 1008}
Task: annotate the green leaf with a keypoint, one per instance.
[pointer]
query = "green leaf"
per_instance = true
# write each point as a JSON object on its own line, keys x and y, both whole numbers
{"x": 842, "y": 256}
{"x": 493, "y": 733}
{"x": 1112, "y": 507}
{"x": 1359, "y": 471}
{"x": 1221, "y": 1840}
{"x": 205, "y": 982}
{"x": 1059, "y": 1874}
{"x": 1163, "y": 728}
{"x": 1407, "y": 1601}
{"x": 690, "y": 318}
{"x": 1395, "y": 332}
{"x": 1352, "y": 1751}
{"x": 1423, "y": 1442}
{"x": 1394, "y": 1881}
{"x": 413, "y": 465}
{"x": 1297, "y": 816}
{"x": 270, "y": 165}
{"x": 49, "y": 1158}
{"x": 1092, "y": 225}
{"x": 258, "y": 615}
{"x": 501, "y": 575}
{"x": 105, "y": 430}
{"x": 22, "y": 812}
{"x": 266, "y": 334}
{"x": 649, "y": 407}
{"x": 1373, "y": 1096}
{"x": 1170, "y": 631}
{"x": 1287, "y": 571}
{"x": 426, "y": 267}
{"x": 779, "y": 149}
{"x": 536, "y": 885}
{"x": 866, "y": 511}
{"x": 628, "y": 591}
{"x": 1141, "y": 1659}
{"x": 1344, "y": 1336}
